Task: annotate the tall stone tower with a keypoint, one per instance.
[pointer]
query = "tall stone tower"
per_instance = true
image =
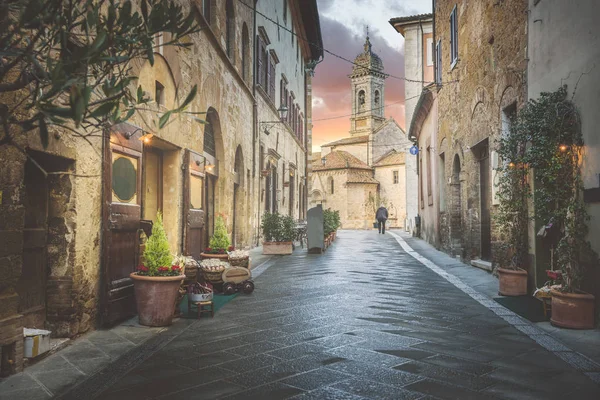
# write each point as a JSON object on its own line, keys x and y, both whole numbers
{"x": 368, "y": 84}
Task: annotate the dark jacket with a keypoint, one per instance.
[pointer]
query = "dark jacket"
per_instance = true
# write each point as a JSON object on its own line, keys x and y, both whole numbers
{"x": 382, "y": 214}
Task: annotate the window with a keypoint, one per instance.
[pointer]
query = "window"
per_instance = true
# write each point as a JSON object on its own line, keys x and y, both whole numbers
{"x": 377, "y": 97}
{"x": 453, "y": 37}
{"x": 361, "y": 99}
{"x": 124, "y": 179}
{"x": 271, "y": 77}
{"x": 159, "y": 94}
{"x": 196, "y": 192}
{"x": 209, "y": 136}
{"x": 331, "y": 185}
{"x": 429, "y": 49}
{"x": 229, "y": 28}
{"x": 245, "y": 52}
{"x": 438, "y": 62}
{"x": 285, "y": 11}
{"x": 206, "y": 10}
{"x": 395, "y": 175}
{"x": 158, "y": 43}
{"x": 260, "y": 66}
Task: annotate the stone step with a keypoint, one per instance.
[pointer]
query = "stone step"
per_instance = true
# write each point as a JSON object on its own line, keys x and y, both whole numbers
{"x": 486, "y": 265}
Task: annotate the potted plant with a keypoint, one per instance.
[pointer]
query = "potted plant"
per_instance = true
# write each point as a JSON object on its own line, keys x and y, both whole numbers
{"x": 219, "y": 243}
{"x": 200, "y": 291}
{"x": 157, "y": 281}
{"x": 548, "y": 140}
{"x": 279, "y": 232}
{"x": 512, "y": 217}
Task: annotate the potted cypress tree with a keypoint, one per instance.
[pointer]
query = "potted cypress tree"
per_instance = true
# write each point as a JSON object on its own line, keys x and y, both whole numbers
{"x": 156, "y": 282}
{"x": 219, "y": 243}
{"x": 279, "y": 232}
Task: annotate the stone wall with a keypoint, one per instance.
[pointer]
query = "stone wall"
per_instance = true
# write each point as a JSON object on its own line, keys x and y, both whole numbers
{"x": 393, "y": 193}
{"x": 488, "y": 76}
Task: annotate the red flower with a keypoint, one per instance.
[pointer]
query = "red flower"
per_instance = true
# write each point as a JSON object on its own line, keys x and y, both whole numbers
{"x": 141, "y": 268}
{"x": 175, "y": 268}
{"x": 208, "y": 250}
{"x": 230, "y": 248}
{"x": 163, "y": 269}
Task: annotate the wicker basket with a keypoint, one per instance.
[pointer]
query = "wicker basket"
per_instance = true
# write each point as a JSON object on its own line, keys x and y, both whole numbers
{"x": 240, "y": 262}
{"x": 213, "y": 276}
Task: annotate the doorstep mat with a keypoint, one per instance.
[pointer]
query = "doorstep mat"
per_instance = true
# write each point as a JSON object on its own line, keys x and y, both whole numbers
{"x": 218, "y": 299}
{"x": 527, "y": 307}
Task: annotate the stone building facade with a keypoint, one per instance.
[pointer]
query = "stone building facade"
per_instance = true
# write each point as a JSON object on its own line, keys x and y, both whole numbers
{"x": 376, "y": 146}
{"x": 71, "y": 214}
{"x": 481, "y": 61}
{"x": 421, "y": 117}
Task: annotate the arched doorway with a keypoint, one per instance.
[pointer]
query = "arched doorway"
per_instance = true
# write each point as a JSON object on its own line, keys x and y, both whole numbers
{"x": 239, "y": 209}
{"x": 456, "y": 211}
{"x": 213, "y": 153}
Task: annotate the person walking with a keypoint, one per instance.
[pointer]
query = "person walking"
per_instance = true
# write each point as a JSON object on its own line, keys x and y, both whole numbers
{"x": 381, "y": 216}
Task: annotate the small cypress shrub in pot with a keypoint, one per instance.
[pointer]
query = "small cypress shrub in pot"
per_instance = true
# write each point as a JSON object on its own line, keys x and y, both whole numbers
{"x": 219, "y": 243}
{"x": 156, "y": 283}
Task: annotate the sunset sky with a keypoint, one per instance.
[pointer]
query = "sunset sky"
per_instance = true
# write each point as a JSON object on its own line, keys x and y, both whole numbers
{"x": 343, "y": 25}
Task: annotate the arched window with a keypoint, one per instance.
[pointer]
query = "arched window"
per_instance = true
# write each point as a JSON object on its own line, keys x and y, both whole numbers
{"x": 377, "y": 97}
{"x": 331, "y": 185}
{"x": 229, "y": 27}
{"x": 245, "y": 52}
{"x": 361, "y": 98}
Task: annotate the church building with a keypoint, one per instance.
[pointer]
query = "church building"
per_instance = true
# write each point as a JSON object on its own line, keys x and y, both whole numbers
{"x": 356, "y": 174}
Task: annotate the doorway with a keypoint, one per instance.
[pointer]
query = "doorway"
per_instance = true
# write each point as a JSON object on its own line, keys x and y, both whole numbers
{"x": 46, "y": 246}
{"x": 456, "y": 210}
{"x": 485, "y": 201}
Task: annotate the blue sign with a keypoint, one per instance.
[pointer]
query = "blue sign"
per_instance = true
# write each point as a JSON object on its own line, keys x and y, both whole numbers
{"x": 414, "y": 150}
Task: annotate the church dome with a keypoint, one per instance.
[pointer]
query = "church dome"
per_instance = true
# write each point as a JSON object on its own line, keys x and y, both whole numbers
{"x": 367, "y": 62}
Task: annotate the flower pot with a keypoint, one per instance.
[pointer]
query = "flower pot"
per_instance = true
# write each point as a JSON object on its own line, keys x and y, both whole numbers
{"x": 277, "y": 248}
{"x": 155, "y": 296}
{"x": 572, "y": 310}
{"x": 512, "y": 282}
{"x": 196, "y": 297}
{"x": 223, "y": 256}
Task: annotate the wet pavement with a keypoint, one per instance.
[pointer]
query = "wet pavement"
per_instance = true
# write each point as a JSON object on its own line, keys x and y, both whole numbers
{"x": 365, "y": 320}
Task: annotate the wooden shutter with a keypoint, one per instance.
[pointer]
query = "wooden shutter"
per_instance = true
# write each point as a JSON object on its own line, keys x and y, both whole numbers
{"x": 272, "y": 79}
{"x": 259, "y": 60}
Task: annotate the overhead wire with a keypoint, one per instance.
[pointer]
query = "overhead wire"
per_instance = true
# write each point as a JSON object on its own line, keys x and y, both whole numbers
{"x": 334, "y": 54}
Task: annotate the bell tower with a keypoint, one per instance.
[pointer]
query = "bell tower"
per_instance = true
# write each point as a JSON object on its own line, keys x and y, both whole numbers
{"x": 368, "y": 85}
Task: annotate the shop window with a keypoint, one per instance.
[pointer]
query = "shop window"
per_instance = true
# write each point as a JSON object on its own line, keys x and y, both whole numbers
{"x": 196, "y": 192}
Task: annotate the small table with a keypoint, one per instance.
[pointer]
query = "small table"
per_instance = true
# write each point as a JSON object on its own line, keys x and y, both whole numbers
{"x": 205, "y": 307}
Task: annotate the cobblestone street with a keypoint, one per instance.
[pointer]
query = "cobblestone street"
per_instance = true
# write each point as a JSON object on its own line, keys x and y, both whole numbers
{"x": 363, "y": 320}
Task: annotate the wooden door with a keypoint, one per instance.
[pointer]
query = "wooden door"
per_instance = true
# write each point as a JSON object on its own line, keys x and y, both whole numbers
{"x": 121, "y": 216}
{"x": 194, "y": 199}
{"x": 32, "y": 284}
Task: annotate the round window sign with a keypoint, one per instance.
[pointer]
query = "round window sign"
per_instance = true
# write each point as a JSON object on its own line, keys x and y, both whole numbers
{"x": 414, "y": 150}
{"x": 124, "y": 179}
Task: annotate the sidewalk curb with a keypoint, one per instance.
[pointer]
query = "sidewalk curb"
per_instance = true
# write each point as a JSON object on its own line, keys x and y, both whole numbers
{"x": 576, "y": 360}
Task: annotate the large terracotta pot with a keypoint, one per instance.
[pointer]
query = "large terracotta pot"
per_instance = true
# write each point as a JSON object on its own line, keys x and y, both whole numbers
{"x": 277, "y": 248}
{"x": 223, "y": 257}
{"x": 572, "y": 310}
{"x": 155, "y": 297}
{"x": 512, "y": 282}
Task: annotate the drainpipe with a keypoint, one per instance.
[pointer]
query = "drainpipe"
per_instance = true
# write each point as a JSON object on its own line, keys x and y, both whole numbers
{"x": 255, "y": 131}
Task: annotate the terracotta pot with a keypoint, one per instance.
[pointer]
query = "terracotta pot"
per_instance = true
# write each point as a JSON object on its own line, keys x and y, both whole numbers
{"x": 155, "y": 296}
{"x": 512, "y": 282}
{"x": 277, "y": 248}
{"x": 224, "y": 257}
{"x": 572, "y": 310}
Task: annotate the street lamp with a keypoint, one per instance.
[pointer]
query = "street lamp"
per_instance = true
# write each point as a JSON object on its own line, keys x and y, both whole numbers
{"x": 283, "y": 112}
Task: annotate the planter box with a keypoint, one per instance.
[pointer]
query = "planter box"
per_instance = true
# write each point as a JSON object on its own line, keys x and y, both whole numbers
{"x": 512, "y": 282}
{"x": 277, "y": 248}
{"x": 572, "y": 310}
{"x": 224, "y": 257}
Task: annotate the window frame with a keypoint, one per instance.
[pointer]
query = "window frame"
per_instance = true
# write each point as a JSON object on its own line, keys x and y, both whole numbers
{"x": 453, "y": 37}
{"x": 396, "y": 177}
{"x": 438, "y": 62}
